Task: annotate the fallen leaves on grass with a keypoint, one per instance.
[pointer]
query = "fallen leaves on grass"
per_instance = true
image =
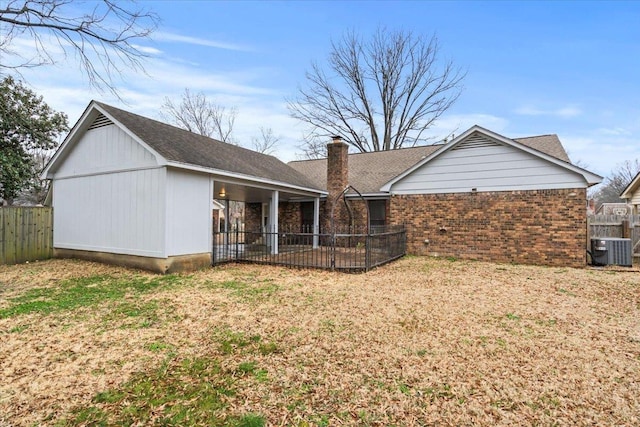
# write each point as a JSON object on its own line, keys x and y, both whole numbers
{"x": 419, "y": 341}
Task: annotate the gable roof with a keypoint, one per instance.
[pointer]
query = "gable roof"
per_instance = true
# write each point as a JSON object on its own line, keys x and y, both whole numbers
{"x": 369, "y": 172}
{"x": 633, "y": 186}
{"x": 547, "y": 142}
{"x": 181, "y": 148}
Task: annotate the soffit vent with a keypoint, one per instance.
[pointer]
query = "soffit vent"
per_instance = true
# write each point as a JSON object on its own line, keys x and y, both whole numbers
{"x": 100, "y": 121}
{"x": 476, "y": 140}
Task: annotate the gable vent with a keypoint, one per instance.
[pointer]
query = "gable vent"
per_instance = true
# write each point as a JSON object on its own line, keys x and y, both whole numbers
{"x": 476, "y": 140}
{"x": 100, "y": 121}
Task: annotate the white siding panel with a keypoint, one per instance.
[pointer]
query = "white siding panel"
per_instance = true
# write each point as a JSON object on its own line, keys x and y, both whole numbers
{"x": 116, "y": 212}
{"x": 188, "y": 212}
{"x": 105, "y": 149}
{"x": 488, "y": 168}
{"x": 635, "y": 199}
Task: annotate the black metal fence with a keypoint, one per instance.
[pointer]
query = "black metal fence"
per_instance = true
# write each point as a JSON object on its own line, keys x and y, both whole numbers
{"x": 349, "y": 250}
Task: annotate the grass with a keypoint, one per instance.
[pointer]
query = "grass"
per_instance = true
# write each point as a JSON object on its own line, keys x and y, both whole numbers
{"x": 419, "y": 342}
{"x": 188, "y": 392}
{"x": 249, "y": 289}
{"x": 82, "y": 292}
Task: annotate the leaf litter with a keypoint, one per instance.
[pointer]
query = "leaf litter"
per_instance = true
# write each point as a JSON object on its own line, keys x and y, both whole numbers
{"x": 421, "y": 341}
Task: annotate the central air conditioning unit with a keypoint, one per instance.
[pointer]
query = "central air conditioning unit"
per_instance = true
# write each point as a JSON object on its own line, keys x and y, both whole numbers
{"x": 611, "y": 251}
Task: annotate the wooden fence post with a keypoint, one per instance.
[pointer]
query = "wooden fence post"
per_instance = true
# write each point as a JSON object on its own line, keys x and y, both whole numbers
{"x": 588, "y": 242}
{"x": 626, "y": 230}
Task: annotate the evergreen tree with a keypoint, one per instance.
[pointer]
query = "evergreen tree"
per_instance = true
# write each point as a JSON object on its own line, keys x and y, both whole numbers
{"x": 27, "y": 126}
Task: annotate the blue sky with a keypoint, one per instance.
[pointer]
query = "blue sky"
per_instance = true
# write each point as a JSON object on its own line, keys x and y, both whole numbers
{"x": 569, "y": 68}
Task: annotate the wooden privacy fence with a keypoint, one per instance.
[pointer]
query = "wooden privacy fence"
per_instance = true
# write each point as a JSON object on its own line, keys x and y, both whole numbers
{"x": 26, "y": 234}
{"x": 625, "y": 226}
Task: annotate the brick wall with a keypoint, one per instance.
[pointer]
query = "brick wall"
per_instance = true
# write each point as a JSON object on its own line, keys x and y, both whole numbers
{"x": 252, "y": 216}
{"x": 289, "y": 217}
{"x": 545, "y": 227}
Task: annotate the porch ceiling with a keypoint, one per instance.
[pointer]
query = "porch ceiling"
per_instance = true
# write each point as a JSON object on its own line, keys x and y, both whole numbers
{"x": 252, "y": 194}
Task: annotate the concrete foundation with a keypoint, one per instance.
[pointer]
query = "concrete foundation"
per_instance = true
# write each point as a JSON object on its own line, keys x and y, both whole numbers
{"x": 168, "y": 265}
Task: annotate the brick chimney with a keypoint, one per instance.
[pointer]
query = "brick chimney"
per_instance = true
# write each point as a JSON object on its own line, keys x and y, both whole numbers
{"x": 337, "y": 178}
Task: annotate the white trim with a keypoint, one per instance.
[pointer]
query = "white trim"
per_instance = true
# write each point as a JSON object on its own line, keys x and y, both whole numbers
{"x": 212, "y": 203}
{"x": 108, "y": 172}
{"x": 628, "y": 192}
{"x": 529, "y": 187}
{"x": 316, "y": 222}
{"x": 237, "y": 178}
{"x": 273, "y": 219}
{"x": 590, "y": 178}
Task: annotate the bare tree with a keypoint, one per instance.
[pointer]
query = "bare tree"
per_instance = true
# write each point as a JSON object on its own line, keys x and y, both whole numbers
{"x": 312, "y": 147}
{"x": 266, "y": 142}
{"x": 620, "y": 177}
{"x": 102, "y": 35}
{"x": 381, "y": 93}
{"x": 197, "y": 114}
{"x": 36, "y": 192}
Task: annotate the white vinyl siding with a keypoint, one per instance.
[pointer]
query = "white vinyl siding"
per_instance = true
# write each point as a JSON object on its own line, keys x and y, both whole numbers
{"x": 635, "y": 198}
{"x": 189, "y": 213}
{"x": 119, "y": 212}
{"x": 105, "y": 149}
{"x": 486, "y": 166}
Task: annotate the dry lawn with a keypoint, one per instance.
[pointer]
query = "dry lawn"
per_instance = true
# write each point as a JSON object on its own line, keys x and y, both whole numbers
{"x": 418, "y": 342}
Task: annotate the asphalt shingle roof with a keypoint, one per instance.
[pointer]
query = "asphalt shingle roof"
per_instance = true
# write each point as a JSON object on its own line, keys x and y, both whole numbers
{"x": 368, "y": 172}
{"x": 179, "y": 145}
{"x": 548, "y": 144}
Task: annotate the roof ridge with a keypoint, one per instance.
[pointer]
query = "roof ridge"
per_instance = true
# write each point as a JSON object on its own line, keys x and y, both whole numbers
{"x": 183, "y": 146}
{"x": 536, "y": 136}
{"x": 375, "y": 152}
{"x": 183, "y": 130}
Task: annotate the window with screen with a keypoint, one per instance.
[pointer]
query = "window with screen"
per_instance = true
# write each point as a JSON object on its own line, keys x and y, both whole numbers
{"x": 377, "y": 213}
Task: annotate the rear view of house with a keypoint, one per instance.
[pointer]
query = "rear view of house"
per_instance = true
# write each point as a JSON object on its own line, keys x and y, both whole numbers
{"x": 131, "y": 190}
{"x": 480, "y": 196}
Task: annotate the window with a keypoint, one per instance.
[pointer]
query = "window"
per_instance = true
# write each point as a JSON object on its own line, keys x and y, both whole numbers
{"x": 306, "y": 216}
{"x": 377, "y": 213}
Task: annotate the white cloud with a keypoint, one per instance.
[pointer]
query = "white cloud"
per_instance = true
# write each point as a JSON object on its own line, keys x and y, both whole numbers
{"x": 147, "y": 49}
{"x": 600, "y": 154}
{"x": 171, "y": 37}
{"x": 615, "y": 131}
{"x": 564, "y": 112}
{"x": 567, "y": 112}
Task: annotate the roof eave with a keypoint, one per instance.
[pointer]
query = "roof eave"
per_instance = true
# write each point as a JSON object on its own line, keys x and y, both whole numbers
{"x": 243, "y": 177}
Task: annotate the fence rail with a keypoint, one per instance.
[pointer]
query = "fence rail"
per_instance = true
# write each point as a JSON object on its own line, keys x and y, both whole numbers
{"x": 348, "y": 250}
{"x": 26, "y": 234}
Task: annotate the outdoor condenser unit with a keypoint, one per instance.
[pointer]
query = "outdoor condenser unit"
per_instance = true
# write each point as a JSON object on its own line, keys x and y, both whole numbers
{"x": 611, "y": 251}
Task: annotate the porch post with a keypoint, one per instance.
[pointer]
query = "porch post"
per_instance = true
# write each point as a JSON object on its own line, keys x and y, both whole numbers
{"x": 226, "y": 222}
{"x": 316, "y": 221}
{"x": 273, "y": 215}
